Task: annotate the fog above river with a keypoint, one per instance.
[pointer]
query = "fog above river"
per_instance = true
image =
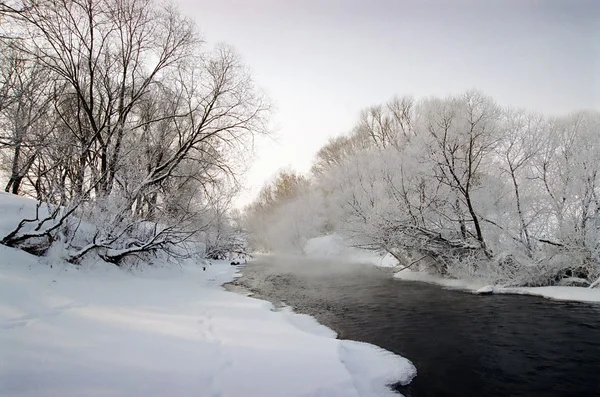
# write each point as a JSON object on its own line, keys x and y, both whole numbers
{"x": 316, "y": 267}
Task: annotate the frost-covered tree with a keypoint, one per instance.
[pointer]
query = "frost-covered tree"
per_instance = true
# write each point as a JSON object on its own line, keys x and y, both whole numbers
{"x": 25, "y": 118}
{"x": 458, "y": 186}
{"x": 149, "y": 127}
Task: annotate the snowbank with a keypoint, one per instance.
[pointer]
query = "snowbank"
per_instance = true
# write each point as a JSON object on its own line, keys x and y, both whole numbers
{"x": 333, "y": 246}
{"x": 168, "y": 331}
{"x": 577, "y": 294}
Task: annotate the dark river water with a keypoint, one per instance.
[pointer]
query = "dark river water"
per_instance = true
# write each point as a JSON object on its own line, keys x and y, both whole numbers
{"x": 462, "y": 344}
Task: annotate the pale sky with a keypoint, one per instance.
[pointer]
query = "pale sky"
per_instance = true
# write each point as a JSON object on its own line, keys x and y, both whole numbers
{"x": 321, "y": 62}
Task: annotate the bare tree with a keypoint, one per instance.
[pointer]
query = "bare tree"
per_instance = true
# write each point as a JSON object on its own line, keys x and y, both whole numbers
{"x": 518, "y": 147}
{"x": 24, "y": 121}
{"x": 147, "y": 124}
{"x": 109, "y": 53}
{"x": 464, "y": 133}
{"x": 391, "y": 124}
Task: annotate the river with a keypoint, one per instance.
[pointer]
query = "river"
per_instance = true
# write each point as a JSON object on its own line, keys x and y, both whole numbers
{"x": 462, "y": 344}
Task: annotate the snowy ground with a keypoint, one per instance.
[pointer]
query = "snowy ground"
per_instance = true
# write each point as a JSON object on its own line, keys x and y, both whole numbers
{"x": 579, "y": 294}
{"x": 103, "y": 331}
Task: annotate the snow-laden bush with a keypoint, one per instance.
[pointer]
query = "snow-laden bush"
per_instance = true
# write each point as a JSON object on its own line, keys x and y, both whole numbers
{"x": 109, "y": 231}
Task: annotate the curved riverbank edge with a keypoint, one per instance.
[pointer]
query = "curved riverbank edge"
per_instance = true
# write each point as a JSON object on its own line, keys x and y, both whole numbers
{"x": 372, "y": 369}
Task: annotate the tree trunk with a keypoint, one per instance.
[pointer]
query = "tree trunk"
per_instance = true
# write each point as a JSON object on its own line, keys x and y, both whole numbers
{"x": 477, "y": 225}
{"x": 13, "y": 185}
{"x": 520, "y": 213}
{"x": 16, "y": 184}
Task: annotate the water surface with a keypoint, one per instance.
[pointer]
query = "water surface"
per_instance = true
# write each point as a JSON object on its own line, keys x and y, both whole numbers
{"x": 462, "y": 344}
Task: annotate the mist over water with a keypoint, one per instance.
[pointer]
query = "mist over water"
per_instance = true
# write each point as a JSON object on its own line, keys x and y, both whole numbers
{"x": 315, "y": 267}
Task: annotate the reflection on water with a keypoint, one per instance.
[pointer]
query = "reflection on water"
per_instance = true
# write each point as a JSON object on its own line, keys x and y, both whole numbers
{"x": 461, "y": 344}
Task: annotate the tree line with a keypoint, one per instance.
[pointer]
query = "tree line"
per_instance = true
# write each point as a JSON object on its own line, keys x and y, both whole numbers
{"x": 459, "y": 186}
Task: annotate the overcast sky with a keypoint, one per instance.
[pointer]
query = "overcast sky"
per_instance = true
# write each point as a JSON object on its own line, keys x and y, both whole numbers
{"x": 320, "y": 62}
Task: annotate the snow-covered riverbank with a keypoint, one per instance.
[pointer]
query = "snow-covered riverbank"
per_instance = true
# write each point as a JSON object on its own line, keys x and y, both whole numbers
{"x": 576, "y": 294}
{"x": 168, "y": 331}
